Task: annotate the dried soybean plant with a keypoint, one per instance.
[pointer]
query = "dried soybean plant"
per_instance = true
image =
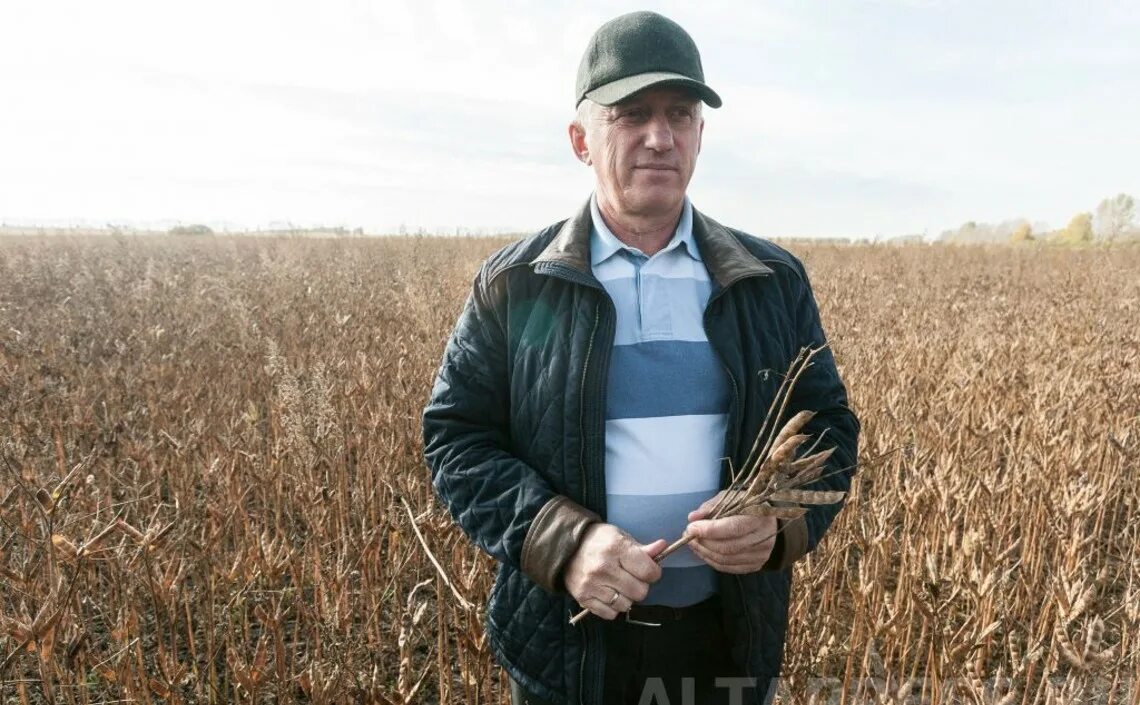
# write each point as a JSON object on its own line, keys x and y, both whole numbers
{"x": 771, "y": 482}
{"x": 991, "y": 560}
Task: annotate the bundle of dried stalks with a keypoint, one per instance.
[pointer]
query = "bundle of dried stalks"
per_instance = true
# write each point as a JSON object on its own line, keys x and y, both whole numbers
{"x": 771, "y": 482}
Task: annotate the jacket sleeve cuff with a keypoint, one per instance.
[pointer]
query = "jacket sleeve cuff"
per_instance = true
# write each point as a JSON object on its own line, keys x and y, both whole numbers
{"x": 791, "y": 544}
{"x": 553, "y": 539}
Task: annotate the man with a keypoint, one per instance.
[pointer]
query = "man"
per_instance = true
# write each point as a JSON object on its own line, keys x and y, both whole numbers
{"x": 604, "y": 377}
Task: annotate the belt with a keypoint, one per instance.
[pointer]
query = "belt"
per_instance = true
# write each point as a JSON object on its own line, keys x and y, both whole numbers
{"x": 656, "y": 615}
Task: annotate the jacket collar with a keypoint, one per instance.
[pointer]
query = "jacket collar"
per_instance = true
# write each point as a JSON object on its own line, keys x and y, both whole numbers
{"x": 726, "y": 259}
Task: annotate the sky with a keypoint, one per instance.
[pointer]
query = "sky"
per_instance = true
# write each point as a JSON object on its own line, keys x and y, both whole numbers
{"x": 855, "y": 119}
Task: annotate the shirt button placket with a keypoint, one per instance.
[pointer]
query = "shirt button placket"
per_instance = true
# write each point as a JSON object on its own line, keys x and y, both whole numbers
{"x": 637, "y": 260}
{"x": 656, "y": 295}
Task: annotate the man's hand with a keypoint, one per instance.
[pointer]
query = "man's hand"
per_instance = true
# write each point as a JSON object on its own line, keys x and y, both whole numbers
{"x": 610, "y": 562}
{"x": 733, "y": 544}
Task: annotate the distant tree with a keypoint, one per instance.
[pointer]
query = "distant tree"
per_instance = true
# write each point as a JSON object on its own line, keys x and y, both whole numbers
{"x": 968, "y": 232}
{"x": 1078, "y": 231}
{"x": 975, "y": 232}
{"x": 1114, "y": 216}
{"x": 1023, "y": 233}
{"x": 190, "y": 230}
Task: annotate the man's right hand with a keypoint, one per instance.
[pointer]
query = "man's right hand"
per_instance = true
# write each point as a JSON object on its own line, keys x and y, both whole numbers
{"x": 609, "y": 560}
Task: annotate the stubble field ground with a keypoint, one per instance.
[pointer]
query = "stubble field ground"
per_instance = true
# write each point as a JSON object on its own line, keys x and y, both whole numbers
{"x": 206, "y": 447}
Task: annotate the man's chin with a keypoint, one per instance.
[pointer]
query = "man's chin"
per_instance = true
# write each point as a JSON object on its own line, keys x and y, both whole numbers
{"x": 649, "y": 205}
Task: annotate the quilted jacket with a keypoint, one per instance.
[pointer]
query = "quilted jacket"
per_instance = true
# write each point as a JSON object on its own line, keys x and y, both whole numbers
{"x": 514, "y": 436}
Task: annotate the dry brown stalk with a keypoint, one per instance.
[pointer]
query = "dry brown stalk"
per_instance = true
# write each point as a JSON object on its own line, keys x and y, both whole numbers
{"x": 431, "y": 557}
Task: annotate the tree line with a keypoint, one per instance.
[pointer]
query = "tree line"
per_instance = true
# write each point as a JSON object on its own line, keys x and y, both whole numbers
{"x": 1113, "y": 220}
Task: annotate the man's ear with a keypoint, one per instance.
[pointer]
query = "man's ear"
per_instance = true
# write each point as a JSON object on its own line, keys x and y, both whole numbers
{"x": 578, "y": 143}
{"x": 700, "y": 134}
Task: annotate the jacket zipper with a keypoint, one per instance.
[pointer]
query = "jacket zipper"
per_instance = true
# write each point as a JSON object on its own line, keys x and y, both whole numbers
{"x": 582, "y": 405}
{"x": 585, "y": 484}
{"x": 589, "y": 490}
{"x": 574, "y": 276}
{"x": 592, "y": 491}
{"x": 730, "y": 441}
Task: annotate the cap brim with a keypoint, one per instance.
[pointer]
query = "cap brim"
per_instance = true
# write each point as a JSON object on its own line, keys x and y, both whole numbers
{"x": 619, "y": 90}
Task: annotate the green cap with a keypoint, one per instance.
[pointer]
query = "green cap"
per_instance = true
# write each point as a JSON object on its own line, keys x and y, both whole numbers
{"x": 635, "y": 51}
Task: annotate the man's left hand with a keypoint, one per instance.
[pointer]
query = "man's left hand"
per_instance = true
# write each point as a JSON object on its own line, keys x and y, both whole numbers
{"x": 732, "y": 544}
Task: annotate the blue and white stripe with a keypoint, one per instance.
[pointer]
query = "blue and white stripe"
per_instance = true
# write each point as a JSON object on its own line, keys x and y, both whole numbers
{"x": 666, "y": 401}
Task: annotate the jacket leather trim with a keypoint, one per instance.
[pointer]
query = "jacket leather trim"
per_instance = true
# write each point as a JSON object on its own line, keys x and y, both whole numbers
{"x": 791, "y": 545}
{"x": 552, "y": 540}
{"x": 725, "y": 257}
{"x": 571, "y": 246}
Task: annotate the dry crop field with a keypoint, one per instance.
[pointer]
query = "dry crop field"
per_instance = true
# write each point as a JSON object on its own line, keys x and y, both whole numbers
{"x": 211, "y": 487}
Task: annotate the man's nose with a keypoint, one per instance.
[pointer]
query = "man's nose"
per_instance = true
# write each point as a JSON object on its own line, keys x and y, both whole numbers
{"x": 660, "y": 134}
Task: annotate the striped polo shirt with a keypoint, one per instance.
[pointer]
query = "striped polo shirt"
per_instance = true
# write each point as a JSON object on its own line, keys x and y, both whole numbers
{"x": 666, "y": 401}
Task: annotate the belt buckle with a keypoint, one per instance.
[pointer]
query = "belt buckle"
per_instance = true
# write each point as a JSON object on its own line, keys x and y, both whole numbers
{"x": 631, "y": 620}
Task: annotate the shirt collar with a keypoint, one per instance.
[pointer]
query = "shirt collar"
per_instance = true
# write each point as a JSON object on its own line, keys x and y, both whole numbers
{"x": 604, "y": 244}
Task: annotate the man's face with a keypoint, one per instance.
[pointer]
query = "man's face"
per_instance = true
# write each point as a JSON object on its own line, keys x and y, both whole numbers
{"x": 643, "y": 151}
